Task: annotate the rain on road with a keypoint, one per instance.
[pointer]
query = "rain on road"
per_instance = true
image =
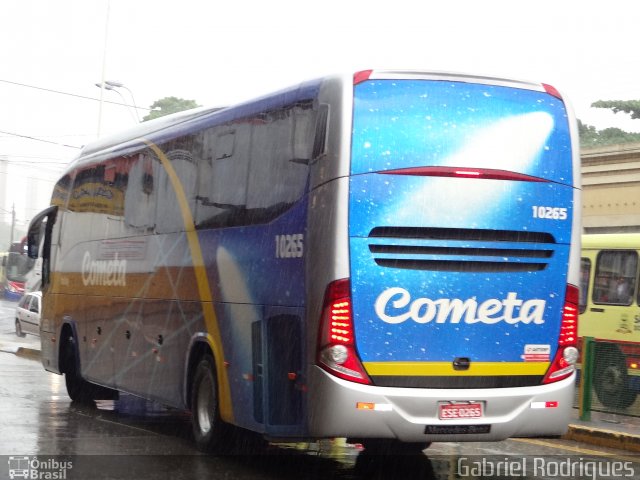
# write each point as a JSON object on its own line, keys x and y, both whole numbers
{"x": 136, "y": 439}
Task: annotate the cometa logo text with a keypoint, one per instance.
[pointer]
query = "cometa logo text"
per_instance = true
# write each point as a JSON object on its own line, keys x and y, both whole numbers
{"x": 107, "y": 273}
{"x": 395, "y": 305}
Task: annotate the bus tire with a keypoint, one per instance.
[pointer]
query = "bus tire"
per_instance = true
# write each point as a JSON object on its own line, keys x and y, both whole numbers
{"x": 209, "y": 430}
{"x": 610, "y": 379}
{"x": 19, "y": 331}
{"x": 77, "y": 388}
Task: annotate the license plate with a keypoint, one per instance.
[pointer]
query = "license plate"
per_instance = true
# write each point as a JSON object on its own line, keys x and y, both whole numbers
{"x": 455, "y": 411}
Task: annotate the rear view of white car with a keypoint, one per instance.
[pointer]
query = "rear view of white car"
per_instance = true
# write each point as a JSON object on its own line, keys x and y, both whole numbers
{"x": 28, "y": 314}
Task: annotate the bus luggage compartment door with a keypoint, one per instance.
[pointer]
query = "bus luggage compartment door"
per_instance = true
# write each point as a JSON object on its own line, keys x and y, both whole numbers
{"x": 281, "y": 366}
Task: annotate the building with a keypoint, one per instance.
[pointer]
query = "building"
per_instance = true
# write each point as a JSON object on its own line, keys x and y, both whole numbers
{"x": 611, "y": 188}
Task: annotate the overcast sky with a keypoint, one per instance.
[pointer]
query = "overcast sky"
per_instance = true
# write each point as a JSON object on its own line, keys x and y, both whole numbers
{"x": 220, "y": 52}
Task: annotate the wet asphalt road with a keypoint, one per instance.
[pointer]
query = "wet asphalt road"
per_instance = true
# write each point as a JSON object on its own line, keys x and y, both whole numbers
{"x": 134, "y": 439}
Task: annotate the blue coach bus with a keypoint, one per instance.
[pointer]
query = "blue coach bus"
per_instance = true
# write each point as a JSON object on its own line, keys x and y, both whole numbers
{"x": 388, "y": 256}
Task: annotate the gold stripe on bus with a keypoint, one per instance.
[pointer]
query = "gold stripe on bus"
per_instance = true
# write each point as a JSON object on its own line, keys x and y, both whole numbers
{"x": 204, "y": 290}
{"x": 442, "y": 369}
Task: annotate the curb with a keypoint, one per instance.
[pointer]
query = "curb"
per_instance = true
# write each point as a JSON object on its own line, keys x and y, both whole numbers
{"x": 30, "y": 353}
{"x": 25, "y": 352}
{"x": 603, "y": 438}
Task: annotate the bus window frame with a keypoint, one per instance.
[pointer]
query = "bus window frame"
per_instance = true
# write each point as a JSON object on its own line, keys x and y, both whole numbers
{"x": 634, "y": 286}
{"x": 584, "y": 295}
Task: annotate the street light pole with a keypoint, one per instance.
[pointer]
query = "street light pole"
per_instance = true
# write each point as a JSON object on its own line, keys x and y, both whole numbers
{"x": 13, "y": 224}
{"x": 104, "y": 66}
{"x": 113, "y": 86}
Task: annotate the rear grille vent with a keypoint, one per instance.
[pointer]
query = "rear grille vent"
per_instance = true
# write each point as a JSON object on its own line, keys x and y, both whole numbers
{"x": 461, "y": 250}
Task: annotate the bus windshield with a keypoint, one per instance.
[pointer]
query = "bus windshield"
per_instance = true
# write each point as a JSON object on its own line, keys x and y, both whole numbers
{"x": 18, "y": 266}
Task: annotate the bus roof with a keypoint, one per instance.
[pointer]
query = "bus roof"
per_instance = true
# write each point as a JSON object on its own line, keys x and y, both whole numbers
{"x": 164, "y": 128}
{"x": 167, "y": 127}
{"x": 629, "y": 241}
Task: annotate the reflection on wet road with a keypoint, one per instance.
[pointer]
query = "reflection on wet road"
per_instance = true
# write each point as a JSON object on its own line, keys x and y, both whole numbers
{"x": 133, "y": 438}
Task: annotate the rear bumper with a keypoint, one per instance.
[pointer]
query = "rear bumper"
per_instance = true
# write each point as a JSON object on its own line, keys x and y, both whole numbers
{"x": 405, "y": 413}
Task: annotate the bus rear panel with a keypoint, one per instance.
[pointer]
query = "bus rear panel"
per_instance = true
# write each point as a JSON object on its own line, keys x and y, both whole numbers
{"x": 460, "y": 234}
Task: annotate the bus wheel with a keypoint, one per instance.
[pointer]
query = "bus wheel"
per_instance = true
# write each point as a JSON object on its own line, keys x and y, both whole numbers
{"x": 19, "y": 331}
{"x": 208, "y": 428}
{"x": 78, "y": 389}
{"x": 610, "y": 380}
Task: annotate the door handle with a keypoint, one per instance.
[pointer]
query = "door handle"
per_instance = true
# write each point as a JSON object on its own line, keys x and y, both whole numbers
{"x": 597, "y": 310}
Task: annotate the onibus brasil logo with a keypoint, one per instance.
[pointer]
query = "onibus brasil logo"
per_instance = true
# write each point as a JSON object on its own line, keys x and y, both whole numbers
{"x": 35, "y": 468}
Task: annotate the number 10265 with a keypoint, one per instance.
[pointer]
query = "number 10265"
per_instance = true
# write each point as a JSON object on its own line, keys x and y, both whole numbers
{"x": 549, "y": 213}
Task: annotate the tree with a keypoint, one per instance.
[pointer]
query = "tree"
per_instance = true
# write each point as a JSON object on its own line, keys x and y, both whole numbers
{"x": 591, "y": 137}
{"x": 168, "y": 105}
{"x": 626, "y": 106}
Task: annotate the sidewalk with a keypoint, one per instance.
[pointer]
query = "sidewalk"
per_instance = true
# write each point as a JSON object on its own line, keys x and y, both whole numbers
{"x": 609, "y": 430}
{"x": 28, "y": 346}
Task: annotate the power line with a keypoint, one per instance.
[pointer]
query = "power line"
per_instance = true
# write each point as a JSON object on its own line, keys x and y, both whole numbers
{"x": 48, "y": 180}
{"x": 73, "y": 95}
{"x": 37, "y": 160}
{"x": 39, "y": 139}
{"x": 34, "y": 162}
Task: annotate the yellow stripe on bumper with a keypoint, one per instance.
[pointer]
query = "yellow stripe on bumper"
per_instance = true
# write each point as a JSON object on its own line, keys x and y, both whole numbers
{"x": 441, "y": 369}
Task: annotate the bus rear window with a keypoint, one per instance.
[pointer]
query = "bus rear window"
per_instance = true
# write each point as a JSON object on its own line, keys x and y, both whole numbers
{"x": 415, "y": 123}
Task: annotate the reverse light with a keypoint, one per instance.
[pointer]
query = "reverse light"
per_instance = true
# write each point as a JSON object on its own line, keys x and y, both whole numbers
{"x": 552, "y": 404}
{"x": 336, "y": 344}
{"x": 563, "y": 364}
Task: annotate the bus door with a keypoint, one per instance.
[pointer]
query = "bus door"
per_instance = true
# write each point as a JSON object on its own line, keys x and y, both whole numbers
{"x": 613, "y": 310}
{"x": 43, "y": 241}
{"x": 611, "y": 315}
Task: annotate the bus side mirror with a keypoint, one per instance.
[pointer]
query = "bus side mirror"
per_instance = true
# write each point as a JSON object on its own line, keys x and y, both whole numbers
{"x": 32, "y": 245}
{"x": 36, "y": 229}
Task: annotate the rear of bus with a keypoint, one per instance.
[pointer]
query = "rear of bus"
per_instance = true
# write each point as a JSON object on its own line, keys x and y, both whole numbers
{"x": 457, "y": 318}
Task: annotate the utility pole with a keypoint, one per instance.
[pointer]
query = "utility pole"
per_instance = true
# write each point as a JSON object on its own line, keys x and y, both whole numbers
{"x": 13, "y": 224}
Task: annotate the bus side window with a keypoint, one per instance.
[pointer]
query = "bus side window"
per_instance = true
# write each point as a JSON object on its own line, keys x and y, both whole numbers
{"x": 169, "y": 215}
{"x": 222, "y": 176}
{"x": 615, "y": 278}
{"x": 585, "y": 274}
{"x": 141, "y": 192}
{"x": 279, "y": 162}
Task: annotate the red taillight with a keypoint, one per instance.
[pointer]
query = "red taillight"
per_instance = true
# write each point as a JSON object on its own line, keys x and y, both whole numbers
{"x": 552, "y": 91}
{"x": 567, "y": 355}
{"x": 463, "y": 172}
{"x": 15, "y": 287}
{"x": 336, "y": 346}
{"x": 362, "y": 76}
{"x": 569, "y": 325}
